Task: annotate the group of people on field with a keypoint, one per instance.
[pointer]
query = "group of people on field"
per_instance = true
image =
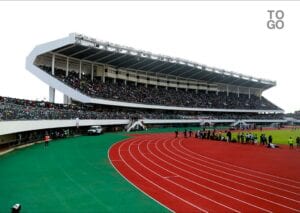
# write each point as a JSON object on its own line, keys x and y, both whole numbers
{"x": 291, "y": 142}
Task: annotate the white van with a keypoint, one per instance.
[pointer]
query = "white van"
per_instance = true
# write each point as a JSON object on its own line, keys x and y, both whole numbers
{"x": 95, "y": 130}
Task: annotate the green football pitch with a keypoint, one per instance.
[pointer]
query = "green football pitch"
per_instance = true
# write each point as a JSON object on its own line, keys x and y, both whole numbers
{"x": 71, "y": 175}
{"x": 279, "y": 136}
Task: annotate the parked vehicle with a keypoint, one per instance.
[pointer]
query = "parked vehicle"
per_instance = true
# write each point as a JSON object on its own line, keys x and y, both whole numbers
{"x": 95, "y": 130}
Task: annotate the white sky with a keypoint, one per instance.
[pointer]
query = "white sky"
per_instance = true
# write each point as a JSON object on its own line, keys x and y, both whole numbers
{"x": 227, "y": 35}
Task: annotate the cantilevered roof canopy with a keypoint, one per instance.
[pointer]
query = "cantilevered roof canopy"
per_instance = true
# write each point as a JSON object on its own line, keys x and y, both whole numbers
{"x": 91, "y": 50}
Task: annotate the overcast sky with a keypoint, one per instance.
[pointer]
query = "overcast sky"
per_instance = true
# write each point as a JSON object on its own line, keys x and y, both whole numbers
{"x": 228, "y": 35}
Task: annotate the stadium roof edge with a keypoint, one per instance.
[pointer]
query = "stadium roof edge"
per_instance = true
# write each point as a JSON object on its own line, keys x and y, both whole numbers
{"x": 88, "y": 41}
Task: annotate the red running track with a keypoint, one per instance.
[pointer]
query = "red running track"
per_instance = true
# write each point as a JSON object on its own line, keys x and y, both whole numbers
{"x": 192, "y": 175}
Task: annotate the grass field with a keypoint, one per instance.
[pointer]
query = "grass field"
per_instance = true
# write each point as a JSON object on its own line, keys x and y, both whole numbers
{"x": 71, "y": 175}
{"x": 75, "y": 175}
{"x": 279, "y": 136}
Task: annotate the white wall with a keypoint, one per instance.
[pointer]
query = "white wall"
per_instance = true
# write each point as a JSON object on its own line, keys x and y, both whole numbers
{"x": 8, "y": 127}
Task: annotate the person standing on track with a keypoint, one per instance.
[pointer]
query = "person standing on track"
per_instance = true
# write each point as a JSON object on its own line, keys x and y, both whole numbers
{"x": 298, "y": 142}
{"x": 291, "y": 143}
{"x": 176, "y": 133}
{"x": 46, "y": 139}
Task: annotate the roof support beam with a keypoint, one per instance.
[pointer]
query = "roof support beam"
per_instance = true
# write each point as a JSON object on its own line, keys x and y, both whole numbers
{"x": 116, "y": 59}
{"x": 155, "y": 67}
{"x": 183, "y": 73}
{"x": 91, "y": 56}
{"x": 81, "y": 51}
{"x": 147, "y": 65}
{"x": 107, "y": 56}
{"x": 66, "y": 48}
{"x": 174, "y": 71}
{"x": 132, "y": 66}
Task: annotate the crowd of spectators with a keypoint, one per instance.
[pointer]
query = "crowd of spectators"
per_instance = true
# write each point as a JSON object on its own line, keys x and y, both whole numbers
{"x": 20, "y": 109}
{"x": 294, "y": 115}
{"x": 130, "y": 92}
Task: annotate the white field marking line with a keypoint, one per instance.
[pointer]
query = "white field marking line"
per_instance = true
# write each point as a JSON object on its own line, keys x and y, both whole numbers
{"x": 239, "y": 177}
{"x": 236, "y": 182}
{"x": 227, "y": 168}
{"x": 131, "y": 182}
{"x": 150, "y": 181}
{"x": 84, "y": 189}
{"x": 254, "y": 171}
{"x": 220, "y": 183}
{"x": 189, "y": 190}
{"x": 226, "y": 195}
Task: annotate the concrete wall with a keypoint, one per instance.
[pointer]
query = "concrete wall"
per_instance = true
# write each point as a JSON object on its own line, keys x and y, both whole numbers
{"x": 8, "y": 127}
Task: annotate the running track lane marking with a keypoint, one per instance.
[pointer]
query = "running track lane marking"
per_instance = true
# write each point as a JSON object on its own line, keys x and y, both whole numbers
{"x": 239, "y": 177}
{"x": 224, "y": 178}
{"x": 263, "y": 173}
{"x": 108, "y": 155}
{"x": 292, "y": 186}
{"x": 214, "y": 181}
{"x": 200, "y": 195}
{"x": 201, "y": 184}
{"x": 227, "y": 179}
{"x": 150, "y": 181}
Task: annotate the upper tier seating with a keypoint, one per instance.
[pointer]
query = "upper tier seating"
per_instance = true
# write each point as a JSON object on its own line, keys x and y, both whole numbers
{"x": 160, "y": 96}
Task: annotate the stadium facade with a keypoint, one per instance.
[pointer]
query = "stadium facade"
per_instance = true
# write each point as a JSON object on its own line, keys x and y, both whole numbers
{"x": 104, "y": 75}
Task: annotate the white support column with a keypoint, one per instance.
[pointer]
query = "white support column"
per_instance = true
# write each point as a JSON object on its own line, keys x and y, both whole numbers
{"x": 67, "y": 100}
{"x": 80, "y": 65}
{"x": 238, "y": 91}
{"x": 136, "y": 82}
{"x": 103, "y": 74}
{"x": 227, "y": 90}
{"x": 53, "y": 65}
{"x": 67, "y": 67}
{"x": 51, "y": 94}
{"x": 117, "y": 73}
{"x": 92, "y": 72}
{"x": 249, "y": 93}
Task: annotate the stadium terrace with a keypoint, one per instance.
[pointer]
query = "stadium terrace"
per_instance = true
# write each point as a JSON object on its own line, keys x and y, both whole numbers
{"x": 114, "y": 85}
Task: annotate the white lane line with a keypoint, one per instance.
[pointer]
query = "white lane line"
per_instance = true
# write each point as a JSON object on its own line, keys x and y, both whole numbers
{"x": 108, "y": 152}
{"x": 239, "y": 177}
{"x": 150, "y": 181}
{"x": 230, "y": 169}
{"x": 239, "y": 167}
{"x": 187, "y": 189}
{"x": 297, "y": 201}
{"x": 275, "y": 203}
{"x": 239, "y": 183}
{"x": 206, "y": 187}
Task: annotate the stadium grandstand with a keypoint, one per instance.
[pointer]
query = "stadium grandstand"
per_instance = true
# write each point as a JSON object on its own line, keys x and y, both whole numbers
{"x": 125, "y": 88}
